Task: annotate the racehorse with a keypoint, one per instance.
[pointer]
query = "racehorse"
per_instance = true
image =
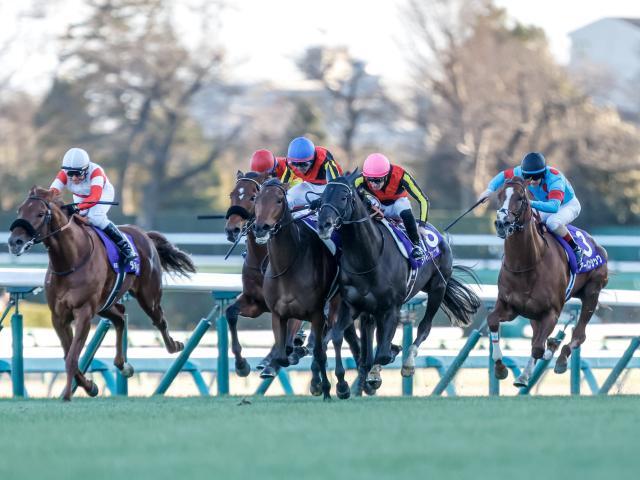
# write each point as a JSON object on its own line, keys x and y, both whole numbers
{"x": 250, "y": 303}
{"x": 374, "y": 280}
{"x": 534, "y": 281}
{"x": 79, "y": 278}
{"x": 298, "y": 280}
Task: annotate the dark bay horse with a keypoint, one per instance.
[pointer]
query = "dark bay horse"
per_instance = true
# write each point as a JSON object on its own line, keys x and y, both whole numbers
{"x": 79, "y": 278}
{"x": 250, "y": 303}
{"x": 533, "y": 280}
{"x": 374, "y": 280}
{"x": 298, "y": 279}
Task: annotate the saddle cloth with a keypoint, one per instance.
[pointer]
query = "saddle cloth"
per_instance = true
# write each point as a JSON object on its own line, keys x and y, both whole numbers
{"x": 114, "y": 254}
{"x": 430, "y": 239}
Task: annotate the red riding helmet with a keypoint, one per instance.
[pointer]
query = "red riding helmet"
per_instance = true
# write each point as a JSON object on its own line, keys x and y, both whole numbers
{"x": 263, "y": 161}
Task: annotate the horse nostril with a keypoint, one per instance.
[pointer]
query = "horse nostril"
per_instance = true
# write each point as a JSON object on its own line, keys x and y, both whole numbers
{"x": 236, "y": 230}
{"x": 19, "y": 242}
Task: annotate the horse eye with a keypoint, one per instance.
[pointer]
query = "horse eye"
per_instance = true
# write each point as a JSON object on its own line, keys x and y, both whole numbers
{"x": 41, "y": 214}
{"x": 253, "y": 198}
{"x": 279, "y": 201}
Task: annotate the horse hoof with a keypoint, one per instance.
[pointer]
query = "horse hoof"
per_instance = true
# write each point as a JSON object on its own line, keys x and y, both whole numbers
{"x": 283, "y": 362}
{"x": 374, "y": 383}
{"x": 501, "y": 372}
{"x": 521, "y": 382}
{"x": 326, "y": 397}
{"x": 268, "y": 372}
{"x": 242, "y": 368}
{"x": 261, "y": 366}
{"x": 395, "y": 350}
{"x": 294, "y": 359}
{"x": 407, "y": 371}
{"x": 343, "y": 391}
{"x": 301, "y": 351}
{"x": 369, "y": 390}
{"x": 548, "y": 354}
{"x": 93, "y": 391}
{"x": 126, "y": 370}
{"x": 560, "y": 366}
{"x": 315, "y": 389}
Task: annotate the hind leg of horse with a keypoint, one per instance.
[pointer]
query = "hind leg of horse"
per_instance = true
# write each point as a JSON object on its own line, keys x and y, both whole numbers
{"x": 116, "y": 315}
{"x": 501, "y": 313}
{"x": 298, "y": 350}
{"x": 247, "y": 308}
{"x": 578, "y": 336}
{"x": 154, "y": 310}
{"x": 424, "y": 327}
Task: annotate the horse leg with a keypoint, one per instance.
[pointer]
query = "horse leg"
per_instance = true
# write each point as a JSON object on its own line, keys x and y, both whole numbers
{"x": 342, "y": 388}
{"x": 154, "y": 310}
{"x": 542, "y": 328}
{"x": 294, "y": 342}
{"x": 116, "y": 315}
{"x": 386, "y": 328}
{"x": 83, "y": 325}
{"x": 279, "y": 357}
{"x": 245, "y": 307}
{"x": 578, "y": 336}
{"x": 319, "y": 352}
{"x": 424, "y": 327}
{"x": 501, "y": 313}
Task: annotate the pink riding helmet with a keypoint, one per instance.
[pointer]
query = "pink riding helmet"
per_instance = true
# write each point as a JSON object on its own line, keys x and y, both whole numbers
{"x": 376, "y": 166}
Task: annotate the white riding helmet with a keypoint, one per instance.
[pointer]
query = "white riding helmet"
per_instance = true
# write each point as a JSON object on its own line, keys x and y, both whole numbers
{"x": 75, "y": 159}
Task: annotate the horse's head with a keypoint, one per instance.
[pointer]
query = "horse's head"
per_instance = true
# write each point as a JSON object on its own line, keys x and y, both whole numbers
{"x": 515, "y": 209}
{"x": 339, "y": 202}
{"x": 243, "y": 198}
{"x": 34, "y": 221}
{"x": 270, "y": 209}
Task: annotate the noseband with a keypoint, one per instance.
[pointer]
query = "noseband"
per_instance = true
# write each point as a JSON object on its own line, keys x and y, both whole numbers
{"x": 517, "y": 225}
{"x": 31, "y": 230}
{"x": 237, "y": 209}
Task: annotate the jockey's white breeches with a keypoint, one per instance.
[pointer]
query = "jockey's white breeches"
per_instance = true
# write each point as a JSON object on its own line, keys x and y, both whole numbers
{"x": 97, "y": 215}
{"x": 397, "y": 207}
{"x": 296, "y": 195}
{"x": 567, "y": 213}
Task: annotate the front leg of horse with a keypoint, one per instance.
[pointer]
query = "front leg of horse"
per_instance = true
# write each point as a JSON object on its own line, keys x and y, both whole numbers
{"x": 83, "y": 325}
{"x": 541, "y": 330}
{"x": 279, "y": 351}
{"x": 342, "y": 388}
{"x": 319, "y": 352}
{"x": 248, "y": 309}
{"x": 493, "y": 321}
{"x": 366, "y": 356}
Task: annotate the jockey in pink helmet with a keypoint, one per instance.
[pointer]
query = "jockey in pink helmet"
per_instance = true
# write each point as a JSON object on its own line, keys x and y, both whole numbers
{"x": 89, "y": 184}
{"x": 392, "y": 185}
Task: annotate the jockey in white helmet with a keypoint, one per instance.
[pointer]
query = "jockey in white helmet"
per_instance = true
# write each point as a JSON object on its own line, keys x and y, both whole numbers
{"x": 89, "y": 184}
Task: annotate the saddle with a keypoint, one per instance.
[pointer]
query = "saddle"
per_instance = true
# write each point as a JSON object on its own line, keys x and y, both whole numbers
{"x": 430, "y": 239}
{"x": 113, "y": 254}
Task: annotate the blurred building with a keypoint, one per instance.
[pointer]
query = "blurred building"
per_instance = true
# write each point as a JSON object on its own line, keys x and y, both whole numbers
{"x": 605, "y": 57}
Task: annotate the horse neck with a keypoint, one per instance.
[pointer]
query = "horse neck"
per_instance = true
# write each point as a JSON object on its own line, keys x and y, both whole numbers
{"x": 64, "y": 248}
{"x": 524, "y": 249}
{"x": 285, "y": 243}
{"x": 361, "y": 242}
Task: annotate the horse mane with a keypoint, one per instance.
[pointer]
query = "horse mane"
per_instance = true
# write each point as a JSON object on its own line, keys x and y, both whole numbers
{"x": 272, "y": 181}
{"x": 253, "y": 175}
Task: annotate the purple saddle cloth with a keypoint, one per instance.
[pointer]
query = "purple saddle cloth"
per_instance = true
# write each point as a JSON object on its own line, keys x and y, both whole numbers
{"x": 114, "y": 254}
{"x": 430, "y": 240}
{"x": 591, "y": 259}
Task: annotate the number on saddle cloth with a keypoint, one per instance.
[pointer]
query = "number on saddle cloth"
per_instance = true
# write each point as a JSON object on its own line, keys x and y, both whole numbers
{"x": 591, "y": 259}
{"x": 113, "y": 254}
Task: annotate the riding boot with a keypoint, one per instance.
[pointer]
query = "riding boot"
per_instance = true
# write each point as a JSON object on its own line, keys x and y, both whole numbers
{"x": 121, "y": 242}
{"x": 575, "y": 247}
{"x": 411, "y": 227}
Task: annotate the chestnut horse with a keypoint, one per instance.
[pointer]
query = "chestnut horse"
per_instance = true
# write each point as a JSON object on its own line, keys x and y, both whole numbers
{"x": 79, "y": 278}
{"x": 250, "y": 303}
{"x": 533, "y": 281}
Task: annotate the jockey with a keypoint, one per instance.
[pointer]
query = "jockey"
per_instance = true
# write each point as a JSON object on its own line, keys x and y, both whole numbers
{"x": 307, "y": 170}
{"x": 264, "y": 161}
{"x": 554, "y": 196}
{"x": 392, "y": 185}
{"x": 88, "y": 183}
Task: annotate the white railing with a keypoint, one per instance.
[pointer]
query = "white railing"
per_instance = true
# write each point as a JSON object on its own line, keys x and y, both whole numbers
{"x": 231, "y": 282}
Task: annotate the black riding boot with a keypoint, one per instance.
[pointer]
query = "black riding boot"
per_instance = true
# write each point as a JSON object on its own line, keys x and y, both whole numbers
{"x": 120, "y": 240}
{"x": 412, "y": 232}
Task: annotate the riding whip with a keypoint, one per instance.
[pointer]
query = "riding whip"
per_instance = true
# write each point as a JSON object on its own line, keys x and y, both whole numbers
{"x": 461, "y": 216}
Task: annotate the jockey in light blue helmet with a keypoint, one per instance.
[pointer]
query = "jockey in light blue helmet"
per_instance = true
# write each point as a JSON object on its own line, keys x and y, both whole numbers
{"x": 554, "y": 196}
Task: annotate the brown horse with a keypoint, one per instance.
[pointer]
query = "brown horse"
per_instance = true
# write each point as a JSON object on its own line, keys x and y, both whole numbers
{"x": 250, "y": 303}
{"x": 79, "y": 278}
{"x": 298, "y": 280}
{"x": 533, "y": 280}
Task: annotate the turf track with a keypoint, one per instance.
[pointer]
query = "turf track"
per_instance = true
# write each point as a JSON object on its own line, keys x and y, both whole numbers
{"x": 304, "y": 438}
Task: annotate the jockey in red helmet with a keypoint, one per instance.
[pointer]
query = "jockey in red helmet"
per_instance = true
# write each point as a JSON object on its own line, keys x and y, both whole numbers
{"x": 264, "y": 161}
{"x": 392, "y": 185}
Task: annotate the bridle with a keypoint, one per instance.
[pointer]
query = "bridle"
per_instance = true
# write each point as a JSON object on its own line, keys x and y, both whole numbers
{"x": 241, "y": 211}
{"x": 35, "y": 232}
{"x": 517, "y": 225}
{"x": 340, "y": 220}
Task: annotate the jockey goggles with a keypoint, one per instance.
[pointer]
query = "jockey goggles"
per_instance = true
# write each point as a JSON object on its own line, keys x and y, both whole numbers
{"x": 75, "y": 172}
{"x": 376, "y": 180}
{"x": 533, "y": 176}
{"x": 302, "y": 165}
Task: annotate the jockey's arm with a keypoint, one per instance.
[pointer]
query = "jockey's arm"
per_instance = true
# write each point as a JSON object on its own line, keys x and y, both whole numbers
{"x": 496, "y": 182}
{"x": 58, "y": 184}
{"x": 554, "y": 198}
{"x": 332, "y": 169}
{"x": 97, "y": 184}
{"x": 411, "y": 186}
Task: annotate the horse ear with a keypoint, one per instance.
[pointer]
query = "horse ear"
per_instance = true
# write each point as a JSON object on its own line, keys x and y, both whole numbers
{"x": 33, "y": 190}
{"x": 239, "y": 175}
{"x": 351, "y": 177}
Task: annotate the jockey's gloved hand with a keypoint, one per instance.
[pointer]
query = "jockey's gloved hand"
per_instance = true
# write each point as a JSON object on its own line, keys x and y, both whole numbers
{"x": 315, "y": 204}
{"x": 484, "y": 195}
{"x": 417, "y": 253}
{"x": 422, "y": 224}
{"x": 71, "y": 209}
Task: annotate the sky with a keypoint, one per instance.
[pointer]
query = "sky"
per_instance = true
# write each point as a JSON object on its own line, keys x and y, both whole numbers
{"x": 264, "y": 36}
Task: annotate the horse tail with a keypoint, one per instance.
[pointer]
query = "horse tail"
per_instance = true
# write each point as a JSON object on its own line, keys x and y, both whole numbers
{"x": 460, "y": 302}
{"x": 172, "y": 258}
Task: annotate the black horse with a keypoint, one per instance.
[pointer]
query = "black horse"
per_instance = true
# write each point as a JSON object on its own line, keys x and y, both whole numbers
{"x": 374, "y": 280}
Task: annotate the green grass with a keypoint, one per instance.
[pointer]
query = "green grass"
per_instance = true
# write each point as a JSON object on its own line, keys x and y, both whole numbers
{"x": 304, "y": 438}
